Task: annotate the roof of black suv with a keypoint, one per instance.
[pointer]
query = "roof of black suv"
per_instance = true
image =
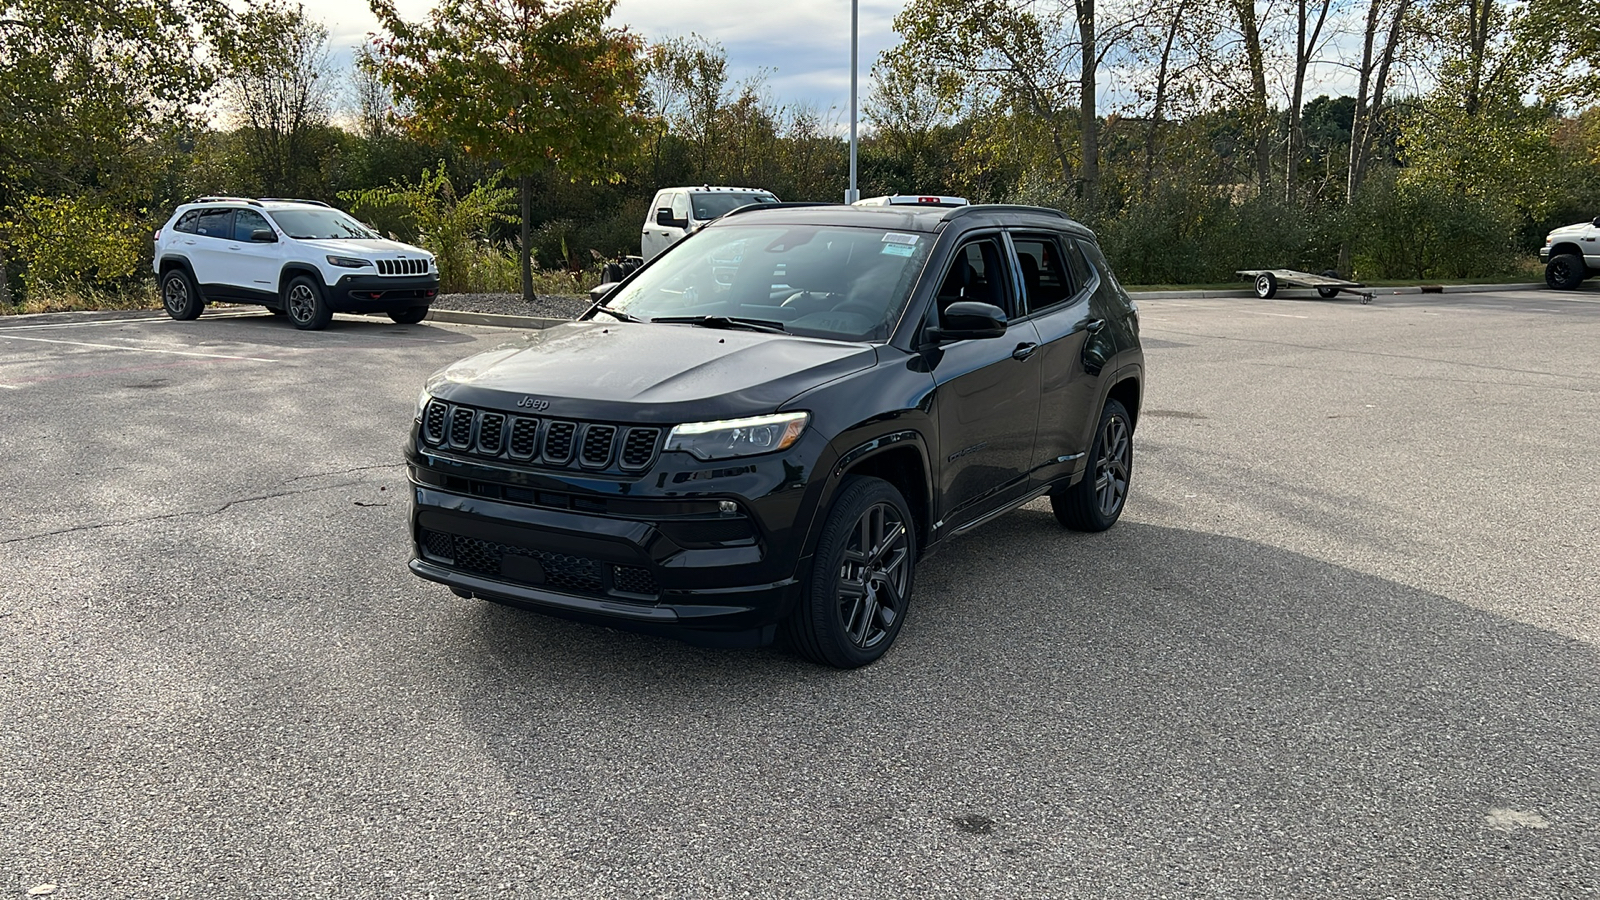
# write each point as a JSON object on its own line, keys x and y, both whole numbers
{"x": 908, "y": 218}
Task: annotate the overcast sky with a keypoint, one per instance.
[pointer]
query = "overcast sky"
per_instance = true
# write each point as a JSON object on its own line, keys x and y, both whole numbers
{"x": 803, "y": 44}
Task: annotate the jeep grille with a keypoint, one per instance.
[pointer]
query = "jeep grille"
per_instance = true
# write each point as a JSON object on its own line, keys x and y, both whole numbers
{"x": 542, "y": 442}
{"x": 402, "y": 267}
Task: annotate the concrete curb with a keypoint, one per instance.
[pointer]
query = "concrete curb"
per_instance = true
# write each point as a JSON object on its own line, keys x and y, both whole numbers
{"x": 1307, "y": 292}
{"x": 496, "y": 320}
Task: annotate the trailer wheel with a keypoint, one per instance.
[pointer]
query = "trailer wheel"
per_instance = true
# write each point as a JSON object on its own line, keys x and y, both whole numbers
{"x": 1266, "y": 285}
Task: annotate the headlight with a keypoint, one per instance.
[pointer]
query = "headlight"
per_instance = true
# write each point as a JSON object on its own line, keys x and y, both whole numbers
{"x": 348, "y": 262}
{"x": 422, "y": 404}
{"x": 739, "y": 437}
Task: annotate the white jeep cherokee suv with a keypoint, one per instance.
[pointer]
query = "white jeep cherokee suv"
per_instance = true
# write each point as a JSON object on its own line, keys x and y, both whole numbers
{"x": 299, "y": 258}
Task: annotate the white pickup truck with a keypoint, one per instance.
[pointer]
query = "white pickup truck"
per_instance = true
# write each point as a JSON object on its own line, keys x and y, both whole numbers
{"x": 678, "y": 212}
{"x": 1570, "y": 253}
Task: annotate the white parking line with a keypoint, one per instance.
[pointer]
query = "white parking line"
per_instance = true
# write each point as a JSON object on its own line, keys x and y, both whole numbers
{"x": 18, "y": 337}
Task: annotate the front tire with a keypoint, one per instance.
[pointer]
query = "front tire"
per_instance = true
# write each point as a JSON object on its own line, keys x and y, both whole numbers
{"x": 306, "y": 306}
{"x": 861, "y": 577}
{"x": 1565, "y": 272}
{"x": 410, "y": 316}
{"x": 179, "y": 296}
{"x": 1266, "y": 285}
{"x": 1095, "y": 503}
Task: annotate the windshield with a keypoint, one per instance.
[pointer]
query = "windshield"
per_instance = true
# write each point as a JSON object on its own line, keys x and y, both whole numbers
{"x": 325, "y": 224}
{"x": 709, "y": 206}
{"x": 820, "y": 281}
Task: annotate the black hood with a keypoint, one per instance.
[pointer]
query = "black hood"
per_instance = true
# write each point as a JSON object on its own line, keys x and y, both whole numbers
{"x": 635, "y": 372}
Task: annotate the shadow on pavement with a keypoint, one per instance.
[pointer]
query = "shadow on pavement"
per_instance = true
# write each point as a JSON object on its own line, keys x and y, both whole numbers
{"x": 1144, "y": 711}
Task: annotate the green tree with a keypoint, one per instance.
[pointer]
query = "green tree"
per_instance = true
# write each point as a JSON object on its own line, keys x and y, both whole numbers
{"x": 279, "y": 83}
{"x": 535, "y": 85}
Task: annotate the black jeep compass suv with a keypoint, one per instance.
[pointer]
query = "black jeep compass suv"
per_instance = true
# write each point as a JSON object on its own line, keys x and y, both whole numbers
{"x": 767, "y": 426}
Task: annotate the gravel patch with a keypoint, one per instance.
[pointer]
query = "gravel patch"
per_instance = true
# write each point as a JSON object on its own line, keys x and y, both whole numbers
{"x": 553, "y": 306}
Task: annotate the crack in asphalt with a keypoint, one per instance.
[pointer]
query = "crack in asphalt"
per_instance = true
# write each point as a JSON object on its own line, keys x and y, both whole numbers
{"x": 175, "y": 515}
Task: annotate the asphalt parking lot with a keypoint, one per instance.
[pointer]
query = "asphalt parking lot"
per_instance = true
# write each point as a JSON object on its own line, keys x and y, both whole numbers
{"x": 1344, "y": 642}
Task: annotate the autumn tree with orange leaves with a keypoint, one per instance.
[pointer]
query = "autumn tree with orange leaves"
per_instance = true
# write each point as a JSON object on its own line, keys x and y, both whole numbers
{"x": 534, "y": 85}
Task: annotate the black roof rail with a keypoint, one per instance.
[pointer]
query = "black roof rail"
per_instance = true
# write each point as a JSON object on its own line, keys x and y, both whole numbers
{"x": 977, "y": 208}
{"x": 294, "y": 200}
{"x": 218, "y": 199}
{"x": 792, "y": 205}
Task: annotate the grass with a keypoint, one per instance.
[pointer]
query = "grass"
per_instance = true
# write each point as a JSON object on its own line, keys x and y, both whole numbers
{"x": 50, "y": 299}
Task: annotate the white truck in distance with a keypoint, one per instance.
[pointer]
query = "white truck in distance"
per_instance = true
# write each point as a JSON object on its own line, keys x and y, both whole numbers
{"x": 1570, "y": 253}
{"x": 679, "y": 211}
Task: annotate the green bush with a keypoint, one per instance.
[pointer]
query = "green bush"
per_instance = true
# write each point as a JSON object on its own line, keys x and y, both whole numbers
{"x": 454, "y": 227}
{"x": 1419, "y": 230}
{"x": 73, "y": 245}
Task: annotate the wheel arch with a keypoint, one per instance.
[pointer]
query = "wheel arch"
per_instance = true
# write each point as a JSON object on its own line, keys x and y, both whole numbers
{"x": 1126, "y": 390}
{"x": 168, "y": 263}
{"x": 292, "y": 270}
{"x": 900, "y": 458}
{"x": 1566, "y": 248}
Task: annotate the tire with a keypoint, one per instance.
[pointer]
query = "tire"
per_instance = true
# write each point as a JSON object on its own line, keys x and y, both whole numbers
{"x": 612, "y": 273}
{"x": 856, "y": 597}
{"x": 1327, "y": 293}
{"x": 1096, "y": 502}
{"x": 179, "y": 296}
{"x": 1266, "y": 285}
{"x": 1565, "y": 272}
{"x": 307, "y": 308}
{"x": 410, "y": 316}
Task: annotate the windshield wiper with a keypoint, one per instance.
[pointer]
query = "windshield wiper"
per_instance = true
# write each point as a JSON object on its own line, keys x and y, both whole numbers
{"x": 766, "y": 325}
{"x": 620, "y": 314}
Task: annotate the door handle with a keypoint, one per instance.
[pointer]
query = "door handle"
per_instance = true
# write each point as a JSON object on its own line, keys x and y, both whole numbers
{"x": 1094, "y": 325}
{"x": 1024, "y": 351}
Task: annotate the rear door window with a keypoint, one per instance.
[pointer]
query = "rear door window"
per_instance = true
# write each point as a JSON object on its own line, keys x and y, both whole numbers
{"x": 1045, "y": 281}
{"x": 187, "y": 221}
{"x": 217, "y": 223}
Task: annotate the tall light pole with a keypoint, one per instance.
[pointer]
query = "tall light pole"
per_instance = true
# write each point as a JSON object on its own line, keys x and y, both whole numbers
{"x": 851, "y": 195}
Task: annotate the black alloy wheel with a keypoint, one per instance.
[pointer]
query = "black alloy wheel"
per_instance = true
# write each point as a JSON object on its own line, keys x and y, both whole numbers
{"x": 179, "y": 297}
{"x": 1565, "y": 272}
{"x": 1095, "y": 503}
{"x": 861, "y": 578}
{"x": 305, "y": 306}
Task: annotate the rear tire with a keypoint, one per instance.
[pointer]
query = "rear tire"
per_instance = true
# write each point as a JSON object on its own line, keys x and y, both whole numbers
{"x": 861, "y": 577}
{"x": 1266, "y": 285}
{"x": 1565, "y": 272}
{"x": 306, "y": 306}
{"x": 1096, "y": 502}
{"x": 1327, "y": 293}
{"x": 179, "y": 296}
{"x": 410, "y": 316}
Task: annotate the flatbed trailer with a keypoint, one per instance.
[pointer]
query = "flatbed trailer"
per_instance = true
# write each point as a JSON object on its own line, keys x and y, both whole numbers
{"x": 1328, "y": 286}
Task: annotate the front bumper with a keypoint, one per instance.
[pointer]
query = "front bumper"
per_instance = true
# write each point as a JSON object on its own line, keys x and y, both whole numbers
{"x": 656, "y": 551}
{"x": 1544, "y": 253}
{"x": 382, "y": 293}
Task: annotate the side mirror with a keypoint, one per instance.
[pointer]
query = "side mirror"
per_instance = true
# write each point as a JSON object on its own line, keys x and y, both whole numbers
{"x": 665, "y": 220}
{"x": 969, "y": 319}
{"x": 599, "y": 291}
{"x": 1596, "y": 222}
{"x": 263, "y": 236}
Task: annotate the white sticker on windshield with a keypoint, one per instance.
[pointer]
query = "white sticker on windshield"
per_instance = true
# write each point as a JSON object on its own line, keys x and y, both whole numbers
{"x": 894, "y": 237}
{"x": 898, "y": 249}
